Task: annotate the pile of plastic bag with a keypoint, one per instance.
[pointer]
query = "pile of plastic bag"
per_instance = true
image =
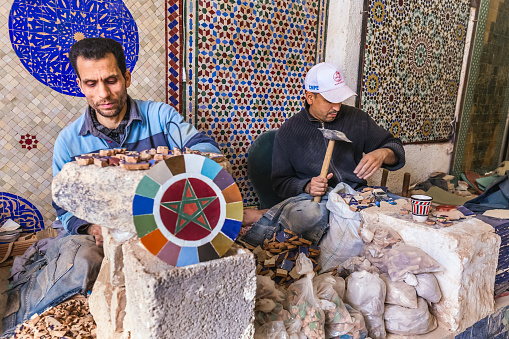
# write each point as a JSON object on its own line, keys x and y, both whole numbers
{"x": 312, "y": 307}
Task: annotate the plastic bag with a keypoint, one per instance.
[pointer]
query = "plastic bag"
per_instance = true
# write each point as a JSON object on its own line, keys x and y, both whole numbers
{"x": 342, "y": 241}
{"x": 266, "y": 289}
{"x": 366, "y": 293}
{"x": 302, "y": 302}
{"x": 323, "y": 285}
{"x": 277, "y": 313}
{"x": 272, "y": 330}
{"x": 409, "y": 321}
{"x": 399, "y": 293}
{"x": 402, "y": 259}
{"x": 340, "y": 287}
{"x": 337, "y": 318}
{"x": 359, "y": 330}
{"x": 428, "y": 288}
{"x": 356, "y": 264}
{"x": 375, "y": 251}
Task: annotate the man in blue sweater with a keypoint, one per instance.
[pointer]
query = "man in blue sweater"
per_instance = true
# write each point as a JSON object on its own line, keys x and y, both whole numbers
{"x": 299, "y": 150}
{"x": 112, "y": 119}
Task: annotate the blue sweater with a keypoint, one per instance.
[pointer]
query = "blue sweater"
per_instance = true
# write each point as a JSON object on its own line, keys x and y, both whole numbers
{"x": 148, "y": 127}
{"x": 299, "y": 149}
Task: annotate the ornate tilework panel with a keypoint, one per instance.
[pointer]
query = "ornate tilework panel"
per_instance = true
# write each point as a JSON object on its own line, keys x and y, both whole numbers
{"x": 43, "y": 31}
{"x": 486, "y": 104}
{"x": 412, "y": 62}
{"x": 174, "y": 46}
{"x": 32, "y": 113}
{"x": 247, "y": 62}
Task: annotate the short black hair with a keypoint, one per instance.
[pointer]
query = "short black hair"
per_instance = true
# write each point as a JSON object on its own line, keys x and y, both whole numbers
{"x": 95, "y": 49}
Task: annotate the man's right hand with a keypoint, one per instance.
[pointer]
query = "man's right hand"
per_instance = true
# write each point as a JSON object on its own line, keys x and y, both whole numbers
{"x": 97, "y": 233}
{"x": 317, "y": 186}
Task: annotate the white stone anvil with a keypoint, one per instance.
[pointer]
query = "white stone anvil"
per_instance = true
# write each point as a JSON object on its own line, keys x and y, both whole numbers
{"x": 138, "y": 296}
{"x": 468, "y": 251}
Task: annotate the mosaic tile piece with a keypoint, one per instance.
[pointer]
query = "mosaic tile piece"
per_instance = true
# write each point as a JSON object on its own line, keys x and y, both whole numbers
{"x": 142, "y": 205}
{"x": 144, "y": 224}
{"x": 42, "y": 33}
{"x": 207, "y": 252}
{"x": 147, "y": 187}
{"x": 170, "y": 253}
{"x": 154, "y": 241}
{"x": 221, "y": 243}
{"x": 412, "y": 62}
{"x": 188, "y": 256}
{"x": 246, "y": 64}
{"x": 189, "y": 210}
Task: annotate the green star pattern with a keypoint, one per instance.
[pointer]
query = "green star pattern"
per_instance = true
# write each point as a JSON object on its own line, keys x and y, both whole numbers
{"x": 190, "y": 209}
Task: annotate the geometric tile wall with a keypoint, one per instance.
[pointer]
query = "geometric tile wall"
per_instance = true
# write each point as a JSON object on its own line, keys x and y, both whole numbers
{"x": 32, "y": 114}
{"x": 246, "y": 63}
{"x": 412, "y": 61}
{"x": 174, "y": 50}
{"x": 483, "y": 120}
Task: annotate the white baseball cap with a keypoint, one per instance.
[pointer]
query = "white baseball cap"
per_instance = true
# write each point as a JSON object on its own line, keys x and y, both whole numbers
{"x": 328, "y": 80}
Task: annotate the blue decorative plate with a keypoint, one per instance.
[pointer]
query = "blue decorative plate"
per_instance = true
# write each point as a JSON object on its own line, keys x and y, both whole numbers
{"x": 43, "y": 31}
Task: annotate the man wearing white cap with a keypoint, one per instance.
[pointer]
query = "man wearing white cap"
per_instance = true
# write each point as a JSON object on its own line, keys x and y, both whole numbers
{"x": 299, "y": 147}
{"x": 299, "y": 150}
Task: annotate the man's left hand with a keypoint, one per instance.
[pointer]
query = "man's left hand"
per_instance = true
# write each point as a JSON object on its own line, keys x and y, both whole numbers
{"x": 96, "y": 231}
{"x": 372, "y": 161}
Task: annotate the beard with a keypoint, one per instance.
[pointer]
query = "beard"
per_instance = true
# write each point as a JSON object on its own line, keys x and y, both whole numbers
{"x": 114, "y": 111}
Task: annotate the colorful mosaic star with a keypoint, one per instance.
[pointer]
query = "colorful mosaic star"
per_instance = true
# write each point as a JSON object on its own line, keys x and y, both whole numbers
{"x": 190, "y": 209}
{"x": 28, "y": 141}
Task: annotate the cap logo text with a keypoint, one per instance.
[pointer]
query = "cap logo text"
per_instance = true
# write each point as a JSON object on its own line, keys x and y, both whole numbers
{"x": 314, "y": 88}
{"x": 337, "y": 78}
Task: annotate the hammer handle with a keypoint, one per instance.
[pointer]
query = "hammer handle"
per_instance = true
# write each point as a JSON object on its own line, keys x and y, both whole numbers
{"x": 325, "y": 165}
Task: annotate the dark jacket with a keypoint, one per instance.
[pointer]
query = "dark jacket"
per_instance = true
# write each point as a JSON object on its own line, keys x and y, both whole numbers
{"x": 299, "y": 149}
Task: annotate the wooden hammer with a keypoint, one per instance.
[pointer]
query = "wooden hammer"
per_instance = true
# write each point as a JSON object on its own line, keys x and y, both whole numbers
{"x": 332, "y": 136}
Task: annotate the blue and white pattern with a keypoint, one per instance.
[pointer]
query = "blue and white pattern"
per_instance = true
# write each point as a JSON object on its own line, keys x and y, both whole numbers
{"x": 42, "y": 32}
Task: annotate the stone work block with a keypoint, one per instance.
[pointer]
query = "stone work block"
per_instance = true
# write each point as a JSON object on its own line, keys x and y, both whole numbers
{"x": 102, "y": 196}
{"x": 106, "y": 305}
{"x": 468, "y": 251}
{"x": 113, "y": 251}
{"x": 214, "y": 299}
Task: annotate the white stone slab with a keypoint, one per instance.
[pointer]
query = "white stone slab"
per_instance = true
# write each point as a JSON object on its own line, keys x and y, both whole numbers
{"x": 468, "y": 250}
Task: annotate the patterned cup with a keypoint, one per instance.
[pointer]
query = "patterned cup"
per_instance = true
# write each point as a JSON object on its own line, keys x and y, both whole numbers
{"x": 420, "y": 207}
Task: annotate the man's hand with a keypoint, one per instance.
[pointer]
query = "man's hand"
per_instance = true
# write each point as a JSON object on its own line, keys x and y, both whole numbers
{"x": 372, "y": 161}
{"x": 317, "y": 186}
{"x": 97, "y": 233}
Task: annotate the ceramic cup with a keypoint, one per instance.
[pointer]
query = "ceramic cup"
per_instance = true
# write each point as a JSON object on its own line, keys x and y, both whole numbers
{"x": 420, "y": 207}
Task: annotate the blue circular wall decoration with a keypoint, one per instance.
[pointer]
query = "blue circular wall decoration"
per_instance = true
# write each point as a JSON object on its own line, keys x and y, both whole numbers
{"x": 43, "y": 31}
{"x": 21, "y": 211}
